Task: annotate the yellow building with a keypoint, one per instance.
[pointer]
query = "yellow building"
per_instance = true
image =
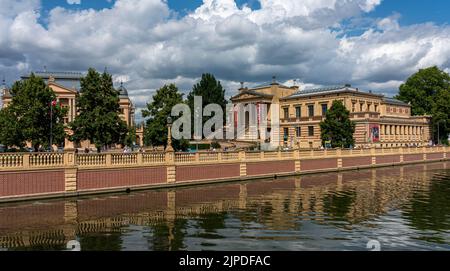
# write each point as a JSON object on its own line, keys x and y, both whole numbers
{"x": 66, "y": 85}
{"x": 380, "y": 121}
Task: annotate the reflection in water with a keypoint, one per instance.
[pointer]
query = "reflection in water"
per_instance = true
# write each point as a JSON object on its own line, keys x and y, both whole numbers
{"x": 404, "y": 208}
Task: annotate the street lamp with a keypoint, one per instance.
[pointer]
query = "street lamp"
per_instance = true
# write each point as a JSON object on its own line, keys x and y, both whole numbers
{"x": 438, "y": 130}
{"x": 169, "y": 147}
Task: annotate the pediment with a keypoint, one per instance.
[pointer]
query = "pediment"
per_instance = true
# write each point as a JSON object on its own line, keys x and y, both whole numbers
{"x": 251, "y": 95}
{"x": 59, "y": 89}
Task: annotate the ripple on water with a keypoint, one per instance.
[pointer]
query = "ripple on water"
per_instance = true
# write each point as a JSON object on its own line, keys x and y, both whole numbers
{"x": 403, "y": 208}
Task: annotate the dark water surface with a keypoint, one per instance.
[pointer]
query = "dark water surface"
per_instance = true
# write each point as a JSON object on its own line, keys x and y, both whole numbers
{"x": 403, "y": 208}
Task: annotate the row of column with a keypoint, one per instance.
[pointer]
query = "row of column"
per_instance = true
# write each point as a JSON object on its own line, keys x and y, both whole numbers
{"x": 401, "y": 130}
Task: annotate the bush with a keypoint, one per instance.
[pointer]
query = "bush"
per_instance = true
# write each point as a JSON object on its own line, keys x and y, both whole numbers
{"x": 215, "y": 145}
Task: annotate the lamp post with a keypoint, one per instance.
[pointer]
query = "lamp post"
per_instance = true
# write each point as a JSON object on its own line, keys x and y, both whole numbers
{"x": 169, "y": 147}
{"x": 438, "y": 130}
{"x": 52, "y": 104}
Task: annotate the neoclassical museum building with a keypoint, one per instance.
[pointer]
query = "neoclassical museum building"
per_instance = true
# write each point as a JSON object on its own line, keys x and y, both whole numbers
{"x": 66, "y": 85}
{"x": 380, "y": 121}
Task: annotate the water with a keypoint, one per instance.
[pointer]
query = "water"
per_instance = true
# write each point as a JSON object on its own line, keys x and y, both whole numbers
{"x": 403, "y": 208}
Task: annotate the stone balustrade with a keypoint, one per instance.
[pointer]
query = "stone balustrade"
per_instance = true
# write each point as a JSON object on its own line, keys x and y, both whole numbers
{"x": 25, "y": 175}
{"x": 10, "y": 161}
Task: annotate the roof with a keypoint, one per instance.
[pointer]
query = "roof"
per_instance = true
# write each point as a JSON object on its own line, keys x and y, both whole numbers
{"x": 328, "y": 90}
{"x": 58, "y": 75}
{"x": 394, "y": 101}
{"x": 123, "y": 92}
{"x": 269, "y": 84}
{"x": 70, "y": 80}
{"x": 253, "y": 93}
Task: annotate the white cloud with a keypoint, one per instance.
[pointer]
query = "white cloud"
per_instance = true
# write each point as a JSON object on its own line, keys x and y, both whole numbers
{"x": 146, "y": 45}
{"x": 74, "y": 2}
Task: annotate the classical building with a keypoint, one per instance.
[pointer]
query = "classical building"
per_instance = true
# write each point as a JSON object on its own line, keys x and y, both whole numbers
{"x": 66, "y": 86}
{"x": 380, "y": 121}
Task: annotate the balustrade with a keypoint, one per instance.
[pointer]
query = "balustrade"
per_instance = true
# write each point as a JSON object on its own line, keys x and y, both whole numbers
{"x": 11, "y": 160}
{"x": 33, "y": 160}
{"x": 46, "y": 159}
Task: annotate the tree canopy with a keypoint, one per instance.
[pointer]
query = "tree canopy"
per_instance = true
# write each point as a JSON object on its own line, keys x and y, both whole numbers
{"x": 337, "y": 126}
{"x": 157, "y": 111}
{"x": 98, "y": 107}
{"x": 428, "y": 92}
{"x": 30, "y": 115}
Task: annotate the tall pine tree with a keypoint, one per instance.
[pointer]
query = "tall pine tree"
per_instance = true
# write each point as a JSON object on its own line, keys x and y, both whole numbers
{"x": 337, "y": 127}
{"x": 211, "y": 91}
{"x": 98, "y": 107}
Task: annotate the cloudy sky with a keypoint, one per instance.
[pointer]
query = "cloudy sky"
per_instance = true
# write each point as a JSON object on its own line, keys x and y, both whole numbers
{"x": 372, "y": 44}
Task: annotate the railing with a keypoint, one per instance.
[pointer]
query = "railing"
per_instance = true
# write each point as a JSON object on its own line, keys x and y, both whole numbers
{"x": 46, "y": 159}
{"x": 123, "y": 158}
{"x": 230, "y": 156}
{"x": 214, "y": 156}
{"x": 185, "y": 157}
{"x": 91, "y": 159}
{"x": 153, "y": 158}
{"x": 10, "y": 161}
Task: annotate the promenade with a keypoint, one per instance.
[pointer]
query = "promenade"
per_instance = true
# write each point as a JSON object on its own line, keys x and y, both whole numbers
{"x": 26, "y": 176}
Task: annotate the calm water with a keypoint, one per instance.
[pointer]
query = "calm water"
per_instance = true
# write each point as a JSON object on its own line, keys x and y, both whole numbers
{"x": 404, "y": 208}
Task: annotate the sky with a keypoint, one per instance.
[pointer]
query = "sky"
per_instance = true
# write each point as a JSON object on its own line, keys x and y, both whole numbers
{"x": 371, "y": 44}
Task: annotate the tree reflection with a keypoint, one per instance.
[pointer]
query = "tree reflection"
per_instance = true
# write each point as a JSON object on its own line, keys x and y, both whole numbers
{"x": 109, "y": 241}
{"x": 429, "y": 210}
{"x": 168, "y": 235}
{"x": 337, "y": 205}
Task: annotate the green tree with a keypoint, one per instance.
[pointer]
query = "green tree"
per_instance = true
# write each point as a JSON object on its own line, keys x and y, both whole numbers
{"x": 10, "y": 132}
{"x": 337, "y": 126}
{"x": 130, "y": 138}
{"x": 98, "y": 107}
{"x": 428, "y": 92}
{"x": 155, "y": 132}
{"x": 30, "y": 115}
{"x": 211, "y": 91}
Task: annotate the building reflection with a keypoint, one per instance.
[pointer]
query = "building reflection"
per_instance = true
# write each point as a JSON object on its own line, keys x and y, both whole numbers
{"x": 341, "y": 199}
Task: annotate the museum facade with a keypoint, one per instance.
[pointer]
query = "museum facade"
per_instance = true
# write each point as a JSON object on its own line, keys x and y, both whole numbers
{"x": 66, "y": 86}
{"x": 380, "y": 121}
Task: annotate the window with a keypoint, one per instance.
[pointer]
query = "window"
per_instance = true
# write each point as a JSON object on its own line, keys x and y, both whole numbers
{"x": 286, "y": 113}
{"x": 298, "y": 112}
{"x": 368, "y": 107}
{"x": 361, "y": 106}
{"x": 324, "y": 109}
{"x": 353, "y": 107}
{"x": 376, "y": 108}
{"x": 298, "y": 131}
{"x": 311, "y": 110}
{"x": 310, "y": 130}
{"x": 286, "y": 133}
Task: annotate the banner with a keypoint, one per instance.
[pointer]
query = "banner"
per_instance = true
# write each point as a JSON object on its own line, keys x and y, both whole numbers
{"x": 374, "y": 133}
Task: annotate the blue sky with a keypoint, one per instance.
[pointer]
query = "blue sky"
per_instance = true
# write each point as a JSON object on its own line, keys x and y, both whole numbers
{"x": 148, "y": 43}
{"x": 411, "y": 11}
